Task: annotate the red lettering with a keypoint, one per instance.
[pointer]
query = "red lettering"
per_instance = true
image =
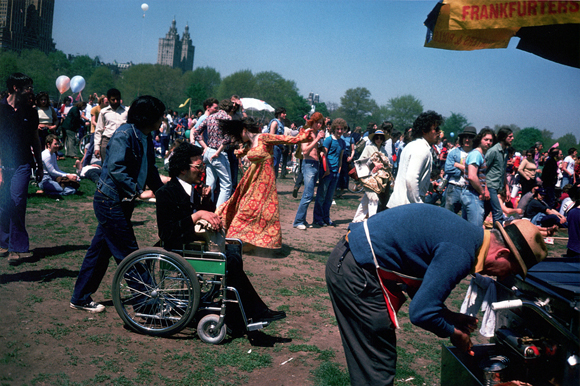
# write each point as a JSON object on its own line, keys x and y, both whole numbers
{"x": 475, "y": 12}
{"x": 532, "y": 5}
{"x": 493, "y": 11}
{"x": 574, "y": 6}
{"x": 562, "y": 7}
{"x": 552, "y": 8}
{"x": 465, "y": 12}
{"x": 512, "y": 6}
{"x": 483, "y": 13}
{"x": 543, "y": 7}
{"x": 502, "y": 10}
{"x": 522, "y": 9}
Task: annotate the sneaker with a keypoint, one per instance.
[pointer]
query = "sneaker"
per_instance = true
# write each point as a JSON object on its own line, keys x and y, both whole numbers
{"x": 330, "y": 223}
{"x": 91, "y": 307}
{"x": 4, "y": 252}
{"x": 295, "y": 193}
{"x": 302, "y": 227}
{"x": 15, "y": 258}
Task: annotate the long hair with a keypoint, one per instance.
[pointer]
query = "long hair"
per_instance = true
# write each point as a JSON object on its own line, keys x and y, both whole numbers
{"x": 145, "y": 110}
{"x": 485, "y": 131}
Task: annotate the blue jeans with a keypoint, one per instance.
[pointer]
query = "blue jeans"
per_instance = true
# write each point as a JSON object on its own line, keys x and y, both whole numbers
{"x": 496, "y": 211}
{"x": 277, "y": 158}
{"x": 218, "y": 169}
{"x": 13, "y": 196}
{"x": 114, "y": 236}
{"x": 310, "y": 176}
{"x": 324, "y": 196}
{"x": 50, "y": 186}
{"x": 453, "y": 198}
{"x": 472, "y": 206}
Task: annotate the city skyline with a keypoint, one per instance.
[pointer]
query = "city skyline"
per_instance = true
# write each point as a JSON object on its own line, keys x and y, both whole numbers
{"x": 328, "y": 47}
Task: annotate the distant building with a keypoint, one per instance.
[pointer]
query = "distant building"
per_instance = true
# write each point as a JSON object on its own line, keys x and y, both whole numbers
{"x": 26, "y": 24}
{"x": 175, "y": 52}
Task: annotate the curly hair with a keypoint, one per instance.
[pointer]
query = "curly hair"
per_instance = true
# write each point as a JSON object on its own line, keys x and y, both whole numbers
{"x": 424, "y": 122}
{"x": 485, "y": 131}
{"x": 181, "y": 158}
{"x": 234, "y": 128}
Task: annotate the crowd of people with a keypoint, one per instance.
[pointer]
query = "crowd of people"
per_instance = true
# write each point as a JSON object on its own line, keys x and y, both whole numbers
{"x": 416, "y": 179}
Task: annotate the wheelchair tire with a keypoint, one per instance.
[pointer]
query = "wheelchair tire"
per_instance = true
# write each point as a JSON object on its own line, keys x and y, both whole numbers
{"x": 207, "y": 332}
{"x": 155, "y": 292}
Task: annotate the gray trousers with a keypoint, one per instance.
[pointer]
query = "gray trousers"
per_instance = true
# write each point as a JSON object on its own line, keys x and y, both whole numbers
{"x": 368, "y": 335}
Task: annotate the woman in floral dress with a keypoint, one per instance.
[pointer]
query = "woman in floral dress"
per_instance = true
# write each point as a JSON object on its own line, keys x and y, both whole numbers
{"x": 252, "y": 214}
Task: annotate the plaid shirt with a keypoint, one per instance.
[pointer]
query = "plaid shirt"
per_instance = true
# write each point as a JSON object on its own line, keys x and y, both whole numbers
{"x": 215, "y": 137}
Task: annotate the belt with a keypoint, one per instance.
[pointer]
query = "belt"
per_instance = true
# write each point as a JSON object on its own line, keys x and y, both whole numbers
{"x": 310, "y": 161}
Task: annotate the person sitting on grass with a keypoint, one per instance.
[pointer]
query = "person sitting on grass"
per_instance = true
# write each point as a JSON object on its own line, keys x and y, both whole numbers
{"x": 55, "y": 181}
{"x": 541, "y": 214}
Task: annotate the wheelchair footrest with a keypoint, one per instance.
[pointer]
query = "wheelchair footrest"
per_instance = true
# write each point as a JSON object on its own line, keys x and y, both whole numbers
{"x": 257, "y": 326}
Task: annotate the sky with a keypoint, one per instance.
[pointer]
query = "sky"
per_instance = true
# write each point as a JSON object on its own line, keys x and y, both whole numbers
{"x": 329, "y": 46}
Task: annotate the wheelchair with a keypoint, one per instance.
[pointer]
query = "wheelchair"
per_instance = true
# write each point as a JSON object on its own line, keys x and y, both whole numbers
{"x": 159, "y": 292}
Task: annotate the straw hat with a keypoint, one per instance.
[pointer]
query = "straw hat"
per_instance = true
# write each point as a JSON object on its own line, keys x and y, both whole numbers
{"x": 526, "y": 243}
{"x": 380, "y": 132}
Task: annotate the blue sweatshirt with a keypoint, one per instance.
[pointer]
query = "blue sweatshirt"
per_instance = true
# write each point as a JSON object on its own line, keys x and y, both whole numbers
{"x": 423, "y": 241}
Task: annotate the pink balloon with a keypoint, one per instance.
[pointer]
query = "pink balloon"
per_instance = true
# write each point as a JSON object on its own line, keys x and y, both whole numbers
{"x": 62, "y": 83}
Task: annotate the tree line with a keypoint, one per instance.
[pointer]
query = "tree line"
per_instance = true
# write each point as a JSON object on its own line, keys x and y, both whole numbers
{"x": 174, "y": 87}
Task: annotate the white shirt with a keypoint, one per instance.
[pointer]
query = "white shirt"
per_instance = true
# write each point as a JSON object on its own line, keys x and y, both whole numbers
{"x": 414, "y": 174}
{"x": 109, "y": 121}
{"x": 186, "y": 186}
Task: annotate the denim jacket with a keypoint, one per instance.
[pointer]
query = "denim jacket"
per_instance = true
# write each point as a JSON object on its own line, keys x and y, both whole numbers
{"x": 118, "y": 179}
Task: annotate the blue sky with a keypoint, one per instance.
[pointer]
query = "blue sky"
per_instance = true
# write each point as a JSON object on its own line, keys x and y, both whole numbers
{"x": 330, "y": 46}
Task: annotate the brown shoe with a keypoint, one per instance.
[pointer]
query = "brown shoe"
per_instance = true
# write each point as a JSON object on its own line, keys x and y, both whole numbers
{"x": 15, "y": 258}
{"x": 4, "y": 252}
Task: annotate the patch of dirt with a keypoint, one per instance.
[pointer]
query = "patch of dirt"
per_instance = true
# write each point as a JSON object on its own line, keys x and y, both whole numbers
{"x": 44, "y": 342}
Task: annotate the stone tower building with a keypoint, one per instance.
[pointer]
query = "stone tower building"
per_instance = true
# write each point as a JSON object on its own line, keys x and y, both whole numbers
{"x": 26, "y": 24}
{"x": 175, "y": 52}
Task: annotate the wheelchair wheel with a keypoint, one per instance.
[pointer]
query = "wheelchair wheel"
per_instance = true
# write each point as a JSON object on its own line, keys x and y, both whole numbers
{"x": 207, "y": 331}
{"x": 84, "y": 142}
{"x": 155, "y": 292}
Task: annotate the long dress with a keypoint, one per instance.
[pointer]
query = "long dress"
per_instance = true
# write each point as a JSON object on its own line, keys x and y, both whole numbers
{"x": 252, "y": 213}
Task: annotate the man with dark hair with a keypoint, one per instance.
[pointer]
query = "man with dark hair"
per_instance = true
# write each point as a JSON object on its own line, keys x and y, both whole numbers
{"x": 110, "y": 119}
{"x": 19, "y": 133}
{"x": 455, "y": 169}
{"x": 375, "y": 262}
{"x": 568, "y": 176}
{"x": 416, "y": 160}
{"x": 129, "y": 167}
{"x": 276, "y": 126}
{"x": 179, "y": 206}
{"x": 550, "y": 175}
{"x": 210, "y": 106}
{"x": 214, "y": 155}
{"x": 496, "y": 177}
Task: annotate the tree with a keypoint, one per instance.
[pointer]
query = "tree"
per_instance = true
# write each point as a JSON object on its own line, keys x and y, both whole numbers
{"x": 526, "y": 138}
{"x": 206, "y": 81}
{"x": 547, "y": 139}
{"x": 100, "y": 81}
{"x": 566, "y": 142}
{"x": 8, "y": 65}
{"x": 356, "y": 104}
{"x": 157, "y": 80}
{"x": 240, "y": 83}
{"x": 402, "y": 111}
{"x": 322, "y": 109}
{"x": 454, "y": 125}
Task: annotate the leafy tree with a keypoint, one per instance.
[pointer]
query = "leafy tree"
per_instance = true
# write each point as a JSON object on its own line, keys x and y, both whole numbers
{"x": 83, "y": 66}
{"x": 197, "y": 93}
{"x": 566, "y": 142}
{"x": 157, "y": 80}
{"x": 240, "y": 83}
{"x": 526, "y": 138}
{"x": 402, "y": 111}
{"x": 547, "y": 139}
{"x": 356, "y": 105}
{"x": 455, "y": 124}
{"x": 206, "y": 81}
{"x": 322, "y": 109}
{"x": 100, "y": 81}
{"x": 36, "y": 65}
{"x": 8, "y": 65}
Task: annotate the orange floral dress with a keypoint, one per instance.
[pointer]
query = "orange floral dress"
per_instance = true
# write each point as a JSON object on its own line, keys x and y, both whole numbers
{"x": 252, "y": 214}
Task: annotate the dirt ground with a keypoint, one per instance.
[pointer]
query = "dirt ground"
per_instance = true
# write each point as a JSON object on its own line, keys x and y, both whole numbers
{"x": 44, "y": 342}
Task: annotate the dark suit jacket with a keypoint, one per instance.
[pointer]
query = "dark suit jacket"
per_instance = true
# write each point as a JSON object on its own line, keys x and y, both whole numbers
{"x": 174, "y": 210}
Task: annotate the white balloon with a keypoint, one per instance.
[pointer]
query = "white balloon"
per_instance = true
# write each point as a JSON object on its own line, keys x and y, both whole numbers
{"x": 144, "y": 6}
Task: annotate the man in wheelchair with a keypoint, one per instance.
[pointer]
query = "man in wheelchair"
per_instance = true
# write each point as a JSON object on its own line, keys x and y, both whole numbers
{"x": 181, "y": 203}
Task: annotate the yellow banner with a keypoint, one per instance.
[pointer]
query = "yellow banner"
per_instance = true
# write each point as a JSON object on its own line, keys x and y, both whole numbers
{"x": 466, "y": 40}
{"x": 484, "y": 14}
{"x": 184, "y": 103}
